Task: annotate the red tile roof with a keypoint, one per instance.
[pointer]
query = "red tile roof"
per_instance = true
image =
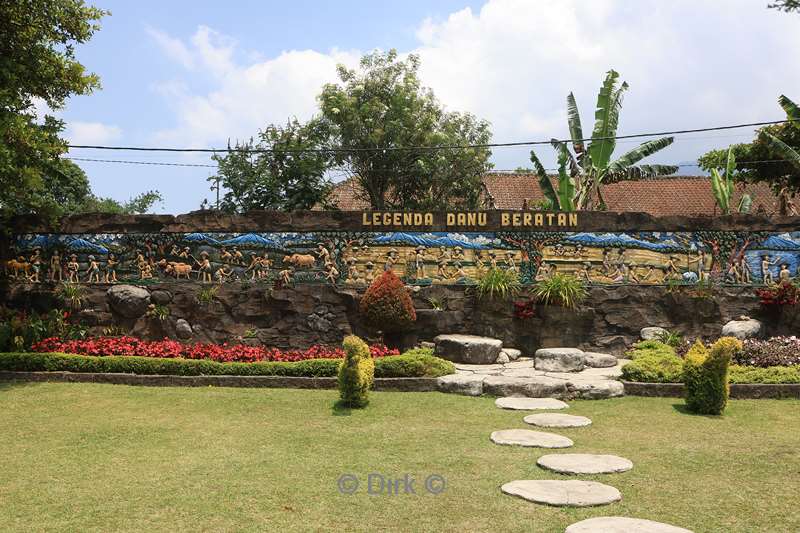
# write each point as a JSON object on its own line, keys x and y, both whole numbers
{"x": 680, "y": 195}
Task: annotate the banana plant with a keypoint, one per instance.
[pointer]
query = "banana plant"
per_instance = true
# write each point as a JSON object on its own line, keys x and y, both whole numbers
{"x": 722, "y": 187}
{"x": 562, "y": 199}
{"x": 590, "y": 166}
{"x": 787, "y": 152}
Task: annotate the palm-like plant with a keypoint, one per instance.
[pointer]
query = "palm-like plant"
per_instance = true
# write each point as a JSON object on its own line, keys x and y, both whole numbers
{"x": 787, "y": 152}
{"x": 590, "y": 166}
{"x": 722, "y": 187}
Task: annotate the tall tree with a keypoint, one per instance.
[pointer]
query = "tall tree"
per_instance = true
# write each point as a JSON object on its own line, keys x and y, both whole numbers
{"x": 590, "y": 165}
{"x": 383, "y": 105}
{"x": 38, "y": 64}
{"x": 773, "y": 157}
{"x": 284, "y": 170}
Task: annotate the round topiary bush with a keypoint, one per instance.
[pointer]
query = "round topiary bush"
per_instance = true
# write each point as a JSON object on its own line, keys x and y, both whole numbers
{"x": 356, "y": 373}
{"x": 705, "y": 374}
{"x": 387, "y": 306}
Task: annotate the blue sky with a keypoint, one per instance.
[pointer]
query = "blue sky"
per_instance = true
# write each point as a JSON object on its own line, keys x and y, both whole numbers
{"x": 198, "y": 73}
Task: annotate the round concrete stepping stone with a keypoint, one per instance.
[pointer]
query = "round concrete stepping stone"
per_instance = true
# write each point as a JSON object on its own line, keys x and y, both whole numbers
{"x": 530, "y": 438}
{"x": 584, "y": 463}
{"x": 620, "y": 524}
{"x": 556, "y": 420}
{"x": 571, "y": 493}
{"x": 529, "y": 404}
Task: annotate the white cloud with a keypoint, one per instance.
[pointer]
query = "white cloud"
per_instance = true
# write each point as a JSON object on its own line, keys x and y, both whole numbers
{"x": 689, "y": 64}
{"x": 92, "y": 133}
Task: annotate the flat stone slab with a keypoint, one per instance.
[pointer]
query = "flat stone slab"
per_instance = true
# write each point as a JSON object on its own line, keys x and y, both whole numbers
{"x": 468, "y": 384}
{"x": 530, "y": 386}
{"x": 556, "y": 420}
{"x": 569, "y": 493}
{"x": 584, "y": 463}
{"x": 529, "y": 404}
{"x": 470, "y": 349}
{"x": 559, "y": 359}
{"x": 529, "y": 438}
{"x": 600, "y": 360}
{"x": 620, "y": 524}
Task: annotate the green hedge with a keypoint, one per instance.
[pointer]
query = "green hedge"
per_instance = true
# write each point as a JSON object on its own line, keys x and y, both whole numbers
{"x": 654, "y": 364}
{"x": 414, "y": 363}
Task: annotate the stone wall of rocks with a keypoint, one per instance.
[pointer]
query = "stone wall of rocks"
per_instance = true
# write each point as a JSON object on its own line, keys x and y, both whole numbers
{"x": 609, "y": 320}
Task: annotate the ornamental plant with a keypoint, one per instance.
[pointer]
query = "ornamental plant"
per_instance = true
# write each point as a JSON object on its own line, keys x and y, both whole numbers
{"x": 524, "y": 309}
{"x": 561, "y": 289}
{"x": 705, "y": 374}
{"x": 498, "y": 283}
{"x": 387, "y": 306}
{"x": 356, "y": 373}
{"x": 779, "y": 295}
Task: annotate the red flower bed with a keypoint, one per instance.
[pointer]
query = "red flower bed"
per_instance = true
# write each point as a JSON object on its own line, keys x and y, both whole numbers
{"x": 169, "y": 349}
{"x": 779, "y": 295}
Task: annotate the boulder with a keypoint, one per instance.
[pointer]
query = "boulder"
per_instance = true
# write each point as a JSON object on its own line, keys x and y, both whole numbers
{"x": 744, "y": 328}
{"x": 559, "y": 359}
{"x": 128, "y": 300}
{"x": 652, "y": 333}
{"x": 468, "y": 348}
{"x": 183, "y": 329}
{"x": 512, "y": 353}
{"x": 600, "y": 360}
{"x": 467, "y": 384}
{"x": 160, "y": 297}
{"x": 502, "y": 358}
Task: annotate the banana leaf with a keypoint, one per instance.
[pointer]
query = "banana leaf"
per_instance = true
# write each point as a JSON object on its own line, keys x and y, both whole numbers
{"x": 566, "y": 185}
{"x": 720, "y": 190}
{"x": 575, "y": 128}
{"x": 640, "y": 172}
{"x": 786, "y": 151}
{"x": 574, "y": 166}
{"x": 544, "y": 182}
{"x": 609, "y": 101}
{"x": 792, "y": 110}
{"x": 632, "y": 157}
{"x": 745, "y": 203}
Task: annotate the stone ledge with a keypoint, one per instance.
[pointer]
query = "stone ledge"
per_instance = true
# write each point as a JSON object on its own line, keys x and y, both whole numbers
{"x": 739, "y": 391}
{"x": 158, "y": 380}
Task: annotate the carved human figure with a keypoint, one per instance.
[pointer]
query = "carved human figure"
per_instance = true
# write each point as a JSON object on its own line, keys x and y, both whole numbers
{"x": 510, "y": 262}
{"x": 745, "y": 272}
{"x": 185, "y": 253}
{"x": 391, "y": 260}
{"x": 264, "y": 266}
{"x": 607, "y": 264}
{"x": 204, "y": 267}
{"x": 225, "y": 256}
{"x": 419, "y": 262}
{"x": 223, "y": 273}
{"x": 111, "y": 269}
{"x": 286, "y": 275}
{"x": 673, "y": 272}
{"x": 55, "y": 273}
{"x": 585, "y": 273}
{"x": 93, "y": 270}
{"x": 369, "y": 272}
{"x": 766, "y": 274}
{"x": 492, "y": 260}
{"x": 254, "y": 267}
{"x": 331, "y": 272}
{"x": 72, "y": 268}
{"x": 35, "y": 266}
{"x": 323, "y": 253}
{"x": 700, "y": 261}
{"x": 174, "y": 250}
{"x": 441, "y": 270}
{"x": 732, "y": 275}
{"x": 649, "y": 275}
{"x": 480, "y": 266}
{"x": 238, "y": 258}
{"x": 784, "y": 276}
{"x": 543, "y": 272}
{"x": 352, "y": 269}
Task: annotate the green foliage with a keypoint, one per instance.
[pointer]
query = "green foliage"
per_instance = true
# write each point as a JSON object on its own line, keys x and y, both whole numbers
{"x": 19, "y": 331}
{"x": 435, "y": 303}
{"x": 498, "y": 283}
{"x": 356, "y": 373}
{"x": 386, "y": 304}
{"x": 786, "y": 5}
{"x": 591, "y": 166}
{"x": 206, "y": 295}
{"x": 417, "y": 362}
{"x": 722, "y": 187}
{"x": 290, "y": 177}
{"x": 384, "y": 104}
{"x": 706, "y": 376}
{"x": 158, "y": 311}
{"x": 772, "y": 374}
{"x": 561, "y": 289}
{"x": 72, "y": 294}
{"x": 413, "y": 363}
{"x": 760, "y": 160}
{"x": 653, "y": 362}
{"x": 670, "y": 338}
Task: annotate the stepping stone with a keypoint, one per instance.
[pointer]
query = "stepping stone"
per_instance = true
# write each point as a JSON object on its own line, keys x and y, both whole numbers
{"x": 619, "y": 524}
{"x": 570, "y": 493}
{"x": 556, "y": 420}
{"x": 559, "y": 359}
{"x": 530, "y": 438}
{"x": 584, "y": 463}
{"x": 600, "y": 360}
{"x": 529, "y": 404}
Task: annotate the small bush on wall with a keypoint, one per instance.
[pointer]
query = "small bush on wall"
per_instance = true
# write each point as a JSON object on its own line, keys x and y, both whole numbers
{"x": 356, "y": 373}
{"x": 561, "y": 289}
{"x": 387, "y": 306}
{"x": 498, "y": 283}
{"x": 706, "y": 375}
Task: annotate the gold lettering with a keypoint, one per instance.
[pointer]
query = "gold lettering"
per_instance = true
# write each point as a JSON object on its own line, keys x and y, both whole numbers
{"x": 481, "y": 219}
{"x": 461, "y": 218}
{"x": 526, "y": 219}
{"x": 417, "y": 219}
{"x": 397, "y": 219}
{"x": 562, "y": 219}
{"x": 387, "y": 219}
{"x": 550, "y": 219}
{"x": 515, "y": 219}
{"x": 538, "y": 220}
{"x": 376, "y": 219}
{"x": 504, "y": 219}
{"x": 408, "y": 219}
{"x": 365, "y": 220}
{"x": 429, "y": 219}
{"x": 573, "y": 219}
{"x": 472, "y": 219}
{"x": 451, "y": 219}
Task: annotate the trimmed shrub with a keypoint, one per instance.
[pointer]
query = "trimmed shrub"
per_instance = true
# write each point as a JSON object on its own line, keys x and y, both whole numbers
{"x": 773, "y": 374}
{"x": 654, "y": 368}
{"x": 386, "y": 305}
{"x": 706, "y": 375}
{"x": 649, "y": 348}
{"x": 393, "y": 366}
{"x": 356, "y": 373}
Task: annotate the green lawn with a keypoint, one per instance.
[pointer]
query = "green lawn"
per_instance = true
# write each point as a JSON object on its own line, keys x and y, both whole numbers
{"x": 85, "y": 457}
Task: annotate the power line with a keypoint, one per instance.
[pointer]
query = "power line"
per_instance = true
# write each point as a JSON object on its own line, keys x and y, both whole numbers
{"x": 155, "y": 163}
{"x": 409, "y": 148}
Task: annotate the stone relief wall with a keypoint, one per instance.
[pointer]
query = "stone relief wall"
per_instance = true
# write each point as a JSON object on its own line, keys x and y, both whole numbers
{"x": 285, "y": 259}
